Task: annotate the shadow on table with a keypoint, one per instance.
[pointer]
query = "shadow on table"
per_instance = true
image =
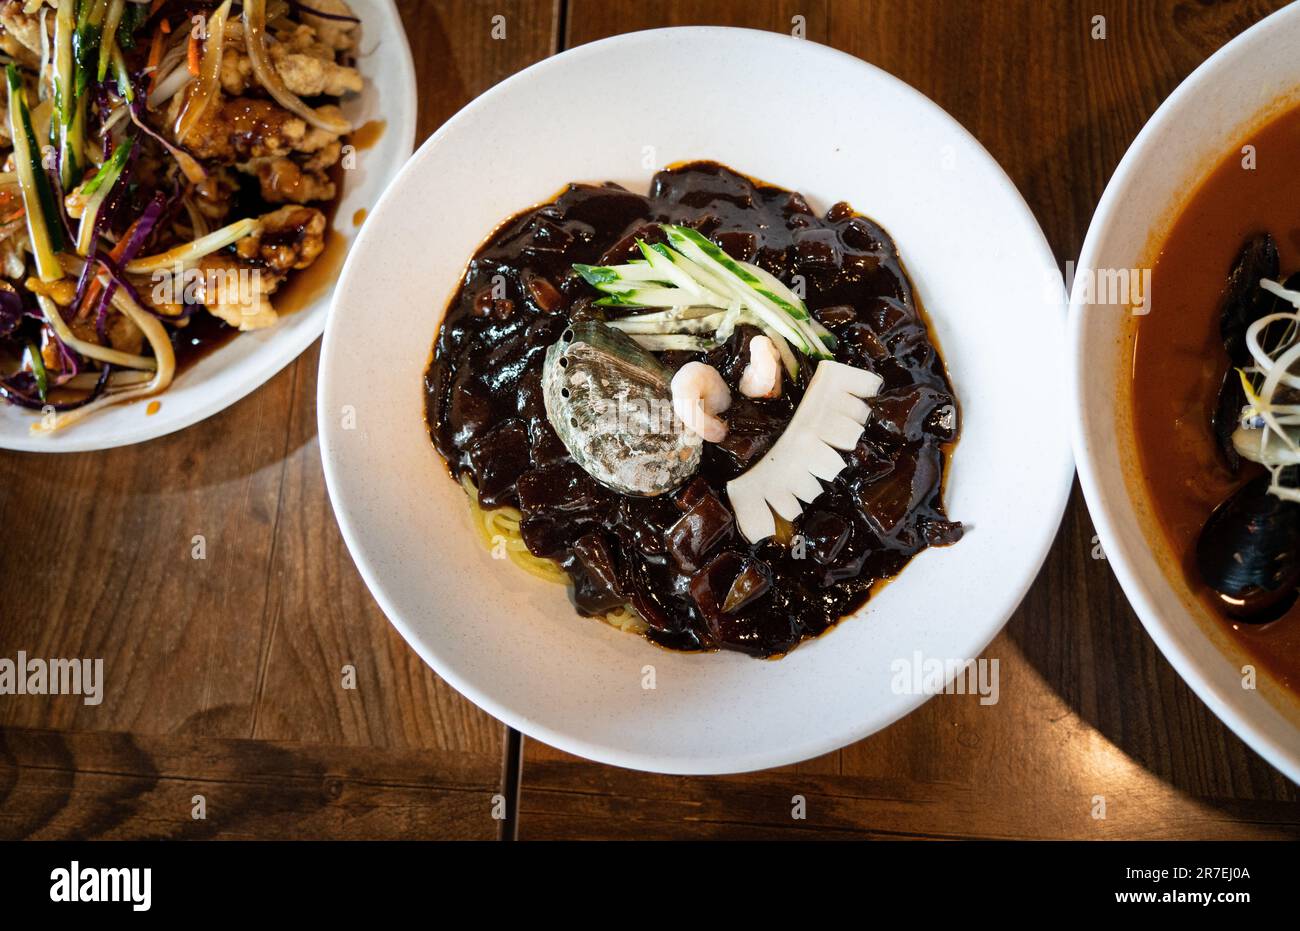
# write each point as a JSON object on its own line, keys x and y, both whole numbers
{"x": 1075, "y": 627}
{"x": 261, "y": 431}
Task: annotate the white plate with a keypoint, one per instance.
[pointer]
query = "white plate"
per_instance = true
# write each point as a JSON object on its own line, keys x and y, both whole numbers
{"x": 1200, "y": 123}
{"x": 789, "y": 112}
{"x": 224, "y": 376}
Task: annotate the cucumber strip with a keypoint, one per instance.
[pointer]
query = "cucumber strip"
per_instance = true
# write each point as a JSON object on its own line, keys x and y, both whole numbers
{"x": 44, "y": 228}
{"x": 64, "y": 24}
{"x": 777, "y": 288}
{"x": 751, "y": 287}
{"x": 691, "y": 275}
{"x": 825, "y": 335}
{"x": 38, "y": 370}
{"x": 85, "y": 40}
{"x": 649, "y": 297}
{"x": 69, "y": 124}
{"x": 782, "y": 322}
{"x": 96, "y": 191}
{"x": 598, "y": 275}
{"x": 676, "y": 313}
{"x": 123, "y": 77}
{"x": 680, "y": 235}
{"x": 65, "y": 96}
{"x": 693, "y": 325}
{"x": 674, "y": 342}
{"x": 687, "y": 274}
{"x": 109, "y": 43}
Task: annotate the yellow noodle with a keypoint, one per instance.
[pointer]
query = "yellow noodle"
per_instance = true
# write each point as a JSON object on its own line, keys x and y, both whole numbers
{"x": 502, "y": 524}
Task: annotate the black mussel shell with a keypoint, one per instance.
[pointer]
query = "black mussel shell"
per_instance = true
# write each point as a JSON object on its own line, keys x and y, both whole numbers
{"x": 1244, "y": 301}
{"x": 1249, "y": 553}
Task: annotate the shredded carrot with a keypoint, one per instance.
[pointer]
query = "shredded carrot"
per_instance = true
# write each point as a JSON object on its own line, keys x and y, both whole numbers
{"x": 94, "y": 288}
{"x": 166, "y": 27}
{"x": 156, "y": 6}
{"x": 155, "y": 56}
{"x": 195, "y": 59}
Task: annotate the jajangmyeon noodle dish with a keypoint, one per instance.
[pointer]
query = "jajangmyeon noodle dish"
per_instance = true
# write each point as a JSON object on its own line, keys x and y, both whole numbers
{"x": 718, "y": 416}
{"x": 168, "y": 167}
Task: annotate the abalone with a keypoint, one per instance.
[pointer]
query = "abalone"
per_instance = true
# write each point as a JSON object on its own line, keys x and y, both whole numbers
{"x": 611, "y": 404}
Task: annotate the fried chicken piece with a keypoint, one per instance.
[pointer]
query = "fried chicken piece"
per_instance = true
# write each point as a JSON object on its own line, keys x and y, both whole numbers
{"x": 289, "y": 238}
{"x": 241, "y": 128}
{"x": 213, "y": 195}
{"x": 237, "y": 288}
{"x": 311, "y": 77}
{"x": 324, "y": 157}
{"x": 337, "y": 34}
{"x": 124, "y": 335}
{"x": 306, "y": 66}
{"x": 236, "y": 291}
{"x": 285, "y": 181}
{"x": 24, "y": 31}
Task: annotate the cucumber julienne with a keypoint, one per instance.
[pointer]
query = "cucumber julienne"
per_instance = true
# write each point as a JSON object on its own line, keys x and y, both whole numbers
{"x": 702, "y": 287}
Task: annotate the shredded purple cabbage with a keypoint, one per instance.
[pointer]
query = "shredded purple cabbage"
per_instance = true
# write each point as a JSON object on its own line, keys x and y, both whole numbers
{"x": 11, "y": 311}
{"x": 20, "y": 389}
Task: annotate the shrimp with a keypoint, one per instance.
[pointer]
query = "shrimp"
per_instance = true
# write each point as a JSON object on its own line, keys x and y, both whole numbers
{"x": 699, "y": 395}
{"x": 762, "y": 376}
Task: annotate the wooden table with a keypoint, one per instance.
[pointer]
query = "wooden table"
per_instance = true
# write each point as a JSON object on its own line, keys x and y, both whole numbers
{"x": 225, "y": 675}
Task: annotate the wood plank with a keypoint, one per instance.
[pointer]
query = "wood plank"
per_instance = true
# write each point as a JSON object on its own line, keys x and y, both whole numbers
{"x": 250, "y": 641}
{"x": 319, "y": 614}
{"x": 106, "y": 786}
{"x": 1088, "y": 705}
{"x": 572, "y": 799}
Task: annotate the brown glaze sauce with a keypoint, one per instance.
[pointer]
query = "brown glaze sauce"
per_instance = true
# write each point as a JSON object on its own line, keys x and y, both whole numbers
{"x": 1179, "y": 359}
{"x": 367, "y": 134}
{"x": 675, "y": 557}
{"x": 206, "y": 333}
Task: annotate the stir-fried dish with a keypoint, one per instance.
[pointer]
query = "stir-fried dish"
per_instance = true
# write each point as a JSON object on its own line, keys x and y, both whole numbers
{"x": 168, "y": 167}
{"x": 1216, "y": 394}
{"x": 720, "y": 417}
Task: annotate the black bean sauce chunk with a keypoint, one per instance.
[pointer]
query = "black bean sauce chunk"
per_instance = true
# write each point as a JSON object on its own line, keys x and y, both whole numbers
{"x": 679, "y": 559}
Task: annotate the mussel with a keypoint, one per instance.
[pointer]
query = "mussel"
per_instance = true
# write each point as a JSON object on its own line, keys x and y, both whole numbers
{"x": 1244, "y": 301}
{"x": 1249, "y": 553}
{"x": 610, "y": 402}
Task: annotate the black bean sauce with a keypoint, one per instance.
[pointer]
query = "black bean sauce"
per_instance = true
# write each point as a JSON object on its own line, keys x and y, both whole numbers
{"x": 678, "y": 558}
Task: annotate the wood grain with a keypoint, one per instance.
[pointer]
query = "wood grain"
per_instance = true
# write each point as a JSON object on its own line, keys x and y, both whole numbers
{"x": 1089, "y": 708}
{"x": 218, "y": 665}
{"x": 119, "y": 787}
{"x": 224, "y": 674}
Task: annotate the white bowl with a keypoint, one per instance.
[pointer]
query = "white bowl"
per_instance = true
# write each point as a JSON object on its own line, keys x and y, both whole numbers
{"x": 789, "y": 112}
{"x": 222, "y": 377}
{"x": 1200, "y": 123}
